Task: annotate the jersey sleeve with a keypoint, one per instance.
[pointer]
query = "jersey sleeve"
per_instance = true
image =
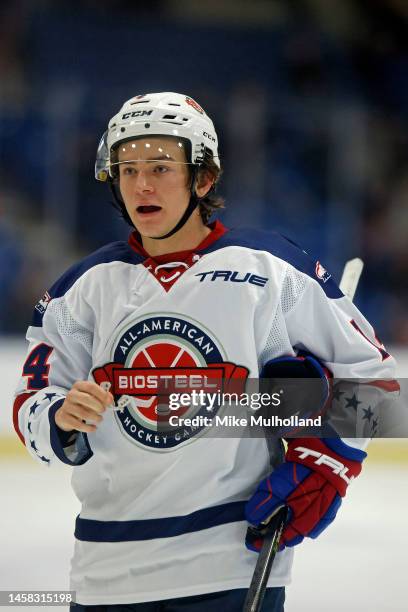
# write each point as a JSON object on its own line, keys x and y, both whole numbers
{"x": 315, "y": 317}
{"x": 336, "y": 332}
{"x": 59, "y": 353}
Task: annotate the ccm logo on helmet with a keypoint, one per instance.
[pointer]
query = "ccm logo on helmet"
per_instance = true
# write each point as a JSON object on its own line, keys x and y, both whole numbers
{"x": 139, "y": 113}
{"x": 207, "y": 135}
{"x": 336, "y": 466}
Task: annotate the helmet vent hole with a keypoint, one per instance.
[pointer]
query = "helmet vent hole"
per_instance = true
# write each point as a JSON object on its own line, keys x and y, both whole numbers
{"x": 122, "y": 129}
{"x": 139, "y": 102}
{"x": 173, "y": 104}
{"x": 169, "y": 117}
{"x": 147, "y": 125}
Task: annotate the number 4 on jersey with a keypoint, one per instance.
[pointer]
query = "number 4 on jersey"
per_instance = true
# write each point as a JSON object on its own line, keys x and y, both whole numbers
{"x": 36, "y": 367}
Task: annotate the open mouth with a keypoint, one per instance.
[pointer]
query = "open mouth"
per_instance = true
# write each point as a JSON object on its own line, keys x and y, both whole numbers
{"x": 144, "y": 210}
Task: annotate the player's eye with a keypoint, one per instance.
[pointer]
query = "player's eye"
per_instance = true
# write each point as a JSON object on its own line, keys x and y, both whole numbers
{"x": 127, "y": 170}
{"x": 161, "y": 169}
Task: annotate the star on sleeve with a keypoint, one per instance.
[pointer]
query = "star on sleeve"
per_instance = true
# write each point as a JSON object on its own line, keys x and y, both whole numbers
{"x": 352, "y": 402}
{"x": 34, "y": 408}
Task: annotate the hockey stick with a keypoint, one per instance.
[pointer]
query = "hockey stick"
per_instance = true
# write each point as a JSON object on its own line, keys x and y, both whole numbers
{"x": 351, "y": 276}
{"x": 272, "y": 532}
{"x": 270, "y": 545}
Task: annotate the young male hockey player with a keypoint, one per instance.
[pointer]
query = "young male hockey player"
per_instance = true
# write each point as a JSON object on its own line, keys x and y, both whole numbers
{"x": 163, "y": 518}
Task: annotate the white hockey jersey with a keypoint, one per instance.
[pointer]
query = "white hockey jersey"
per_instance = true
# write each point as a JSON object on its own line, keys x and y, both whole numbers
{"x": 163, "y": 515}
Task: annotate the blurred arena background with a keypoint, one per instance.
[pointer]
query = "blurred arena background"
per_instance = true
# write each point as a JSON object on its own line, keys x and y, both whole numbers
{"x": 310, "y": 101}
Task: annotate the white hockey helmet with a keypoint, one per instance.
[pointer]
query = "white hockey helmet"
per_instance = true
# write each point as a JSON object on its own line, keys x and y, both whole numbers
{"x": 158, "y": 114}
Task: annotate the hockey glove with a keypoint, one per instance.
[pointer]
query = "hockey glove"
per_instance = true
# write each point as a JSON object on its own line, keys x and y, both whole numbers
{"x": 299, "y": 366}
{"x": 310, "y": 482}
{"x": 306, "y": 384}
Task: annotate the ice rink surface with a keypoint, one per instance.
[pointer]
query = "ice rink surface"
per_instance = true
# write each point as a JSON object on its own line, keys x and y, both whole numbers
{"x": 359, "y": 563}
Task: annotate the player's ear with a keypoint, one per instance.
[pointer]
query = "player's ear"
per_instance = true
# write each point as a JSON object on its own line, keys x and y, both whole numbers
{"x": 203, "y": 183}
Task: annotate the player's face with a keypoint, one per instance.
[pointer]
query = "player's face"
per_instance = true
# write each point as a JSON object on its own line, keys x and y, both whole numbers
{"x": 154, "y": 183}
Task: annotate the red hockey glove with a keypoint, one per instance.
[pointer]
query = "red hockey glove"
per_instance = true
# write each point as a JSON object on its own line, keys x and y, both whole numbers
{"x": 311, "y": 482}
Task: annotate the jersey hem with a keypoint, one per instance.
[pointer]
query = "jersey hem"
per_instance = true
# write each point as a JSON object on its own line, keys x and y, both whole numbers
{"x": 215, "y": 587}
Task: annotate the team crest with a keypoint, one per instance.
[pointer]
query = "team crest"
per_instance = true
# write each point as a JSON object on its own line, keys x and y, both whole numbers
{"x": 157, "y": 356}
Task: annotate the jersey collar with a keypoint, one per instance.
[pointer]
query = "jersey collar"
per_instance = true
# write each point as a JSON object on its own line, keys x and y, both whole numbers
{"x": 217, "y": 230}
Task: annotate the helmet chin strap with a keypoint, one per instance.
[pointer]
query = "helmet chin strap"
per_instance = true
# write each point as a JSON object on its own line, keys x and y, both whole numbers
{"x": 192, "y": 205}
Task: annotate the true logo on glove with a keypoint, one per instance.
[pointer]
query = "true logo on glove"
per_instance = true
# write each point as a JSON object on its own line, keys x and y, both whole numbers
{"x": 337, "y": 467}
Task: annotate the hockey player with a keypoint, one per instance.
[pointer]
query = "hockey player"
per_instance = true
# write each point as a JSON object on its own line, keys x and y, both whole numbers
{"x": 163, "y": 518}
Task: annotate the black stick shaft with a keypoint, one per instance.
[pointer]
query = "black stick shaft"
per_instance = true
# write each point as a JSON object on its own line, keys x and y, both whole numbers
{"x": 257, "y": 588}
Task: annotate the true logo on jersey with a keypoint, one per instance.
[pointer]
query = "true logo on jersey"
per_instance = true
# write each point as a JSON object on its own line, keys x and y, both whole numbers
{"x": 233, "y": 276}
{"x": 42, "y": 304}
{"x": 156, "y": 356}
{"x": 321, "y": 272}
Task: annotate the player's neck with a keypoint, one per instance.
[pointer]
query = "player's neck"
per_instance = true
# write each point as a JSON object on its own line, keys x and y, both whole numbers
{"x": 186, "y": 239}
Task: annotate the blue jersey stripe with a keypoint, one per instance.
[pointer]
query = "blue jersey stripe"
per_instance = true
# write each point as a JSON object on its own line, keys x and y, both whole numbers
{"x": 150, "y": 529}
{"x": 279, "y": 246}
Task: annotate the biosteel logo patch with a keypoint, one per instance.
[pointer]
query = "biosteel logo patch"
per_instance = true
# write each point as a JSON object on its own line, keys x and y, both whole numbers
{"x": 155, "y": 357}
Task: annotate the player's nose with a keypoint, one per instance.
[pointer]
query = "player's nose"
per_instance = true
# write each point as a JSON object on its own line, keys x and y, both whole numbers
{"x": 143, "y": 183}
